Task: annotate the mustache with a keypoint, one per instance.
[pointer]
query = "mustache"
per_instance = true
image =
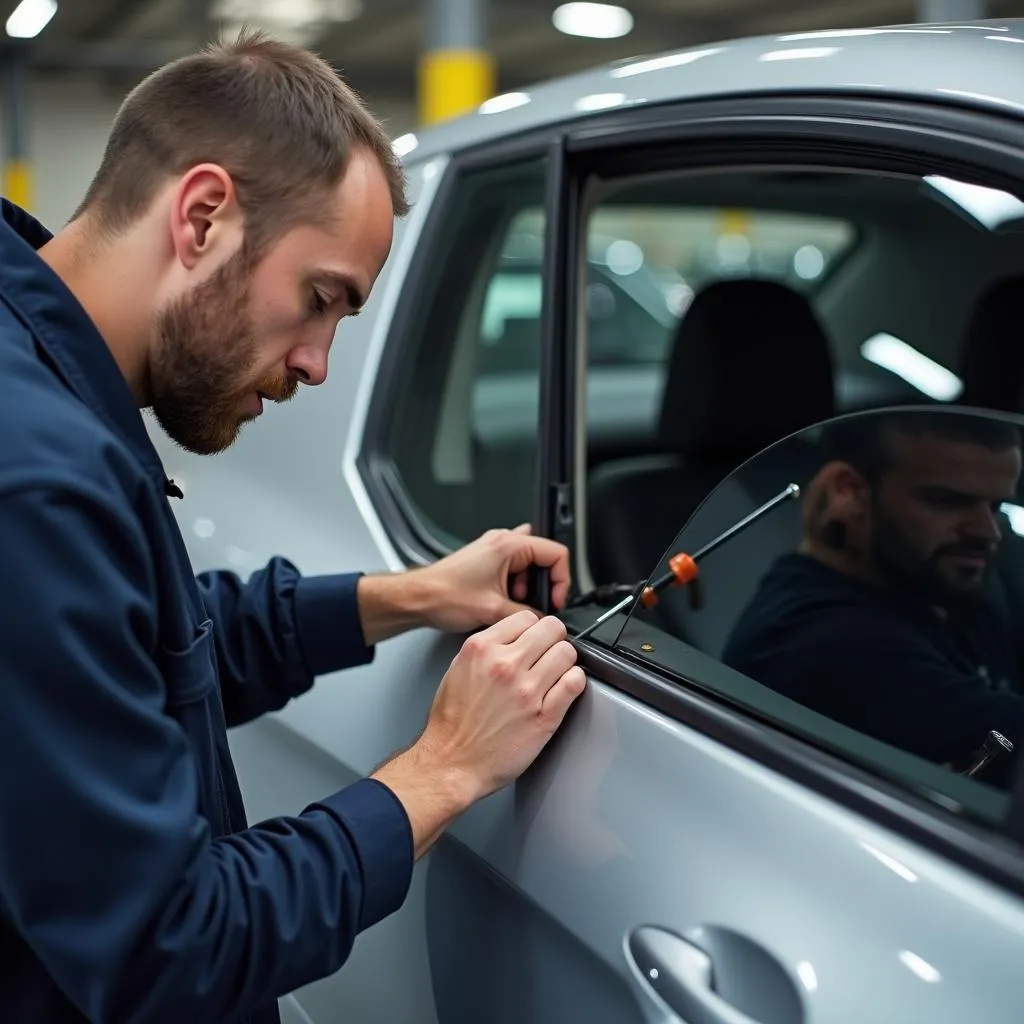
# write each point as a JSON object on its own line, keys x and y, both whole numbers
{"x": 969, "y": 548}
{"x": 277, "y": 389}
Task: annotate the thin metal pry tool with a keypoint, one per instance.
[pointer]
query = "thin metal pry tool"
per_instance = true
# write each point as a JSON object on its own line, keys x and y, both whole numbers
{"x": 683, "y": 567}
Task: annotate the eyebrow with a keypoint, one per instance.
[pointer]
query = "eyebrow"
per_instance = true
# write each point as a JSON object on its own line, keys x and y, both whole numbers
{"x": 343, "y": 283}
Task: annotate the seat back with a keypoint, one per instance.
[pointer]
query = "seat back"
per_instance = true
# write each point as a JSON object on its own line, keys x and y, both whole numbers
{"x": 750, "y": 365}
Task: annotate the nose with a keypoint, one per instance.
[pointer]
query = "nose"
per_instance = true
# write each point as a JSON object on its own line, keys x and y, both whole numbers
{"x": 984, "y": 525}
{"x": 308, "y": 363}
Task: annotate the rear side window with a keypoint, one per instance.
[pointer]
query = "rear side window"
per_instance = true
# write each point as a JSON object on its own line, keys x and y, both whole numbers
{"x": 460, "y": 443}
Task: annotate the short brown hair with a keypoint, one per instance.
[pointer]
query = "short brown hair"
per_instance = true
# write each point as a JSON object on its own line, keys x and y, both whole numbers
{"x": 276, "y": 117}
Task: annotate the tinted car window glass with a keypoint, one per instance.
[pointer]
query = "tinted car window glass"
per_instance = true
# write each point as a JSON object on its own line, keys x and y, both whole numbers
{"x": 463, "y": 436}
{"x": 884, "y": 597}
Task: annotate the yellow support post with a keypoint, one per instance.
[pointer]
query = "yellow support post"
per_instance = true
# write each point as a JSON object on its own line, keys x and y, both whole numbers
{"x": 456, "y": 73}
{"x": 453, "y": 82}
{"x": 18, "y": 183}
{"x": 17, "y": 171}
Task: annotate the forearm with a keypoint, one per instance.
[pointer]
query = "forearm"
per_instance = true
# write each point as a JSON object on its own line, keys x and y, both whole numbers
{"x": 391, "y": 604}
{"x": 432, "y": 793}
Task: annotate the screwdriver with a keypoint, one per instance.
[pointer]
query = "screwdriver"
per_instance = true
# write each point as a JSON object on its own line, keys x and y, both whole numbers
{"x": 682, "y": 568}
{"x": 995, "y": 744}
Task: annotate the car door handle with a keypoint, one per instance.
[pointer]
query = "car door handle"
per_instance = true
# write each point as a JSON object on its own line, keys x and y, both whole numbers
{"x": 716, "y": 976}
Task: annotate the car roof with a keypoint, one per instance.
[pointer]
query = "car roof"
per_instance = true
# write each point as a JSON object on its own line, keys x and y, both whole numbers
{"x": 975, "y": 63}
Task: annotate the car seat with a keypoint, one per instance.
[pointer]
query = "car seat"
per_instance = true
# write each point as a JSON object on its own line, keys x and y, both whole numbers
{"x": 992, "y": 366}
{"x": 750, "y": 365}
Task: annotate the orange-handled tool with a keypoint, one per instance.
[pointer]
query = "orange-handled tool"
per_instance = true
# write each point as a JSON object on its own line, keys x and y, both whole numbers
{"x": 682, "y": 568}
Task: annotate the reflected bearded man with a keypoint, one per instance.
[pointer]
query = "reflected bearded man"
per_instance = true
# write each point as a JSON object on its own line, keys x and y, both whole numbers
{"x": 889, "y": 617}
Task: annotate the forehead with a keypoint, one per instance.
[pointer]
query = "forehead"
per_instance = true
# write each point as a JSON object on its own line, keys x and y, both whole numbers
{"x": 353, "y": 236}
{"x": 928, "y": 459}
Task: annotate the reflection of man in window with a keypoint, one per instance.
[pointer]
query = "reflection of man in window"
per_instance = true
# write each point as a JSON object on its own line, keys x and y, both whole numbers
{"x": 890, "y": 617}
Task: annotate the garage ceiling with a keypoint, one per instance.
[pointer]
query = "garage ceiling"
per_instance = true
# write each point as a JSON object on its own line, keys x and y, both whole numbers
{"x": 377, "y": 49}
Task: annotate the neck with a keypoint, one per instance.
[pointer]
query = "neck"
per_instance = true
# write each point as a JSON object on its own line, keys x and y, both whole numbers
{"x": 844, "y": 560}
{"x": 111, "y": 282}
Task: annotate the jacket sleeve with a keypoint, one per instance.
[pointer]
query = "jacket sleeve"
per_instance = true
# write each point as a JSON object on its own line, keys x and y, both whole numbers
{"x": 880, "y": 678}
{"x": 107, "y": 871}
{"x": 277, "y": 632}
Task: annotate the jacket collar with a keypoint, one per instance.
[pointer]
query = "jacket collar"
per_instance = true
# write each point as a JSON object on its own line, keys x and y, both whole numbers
{"x": 63, "y": 330}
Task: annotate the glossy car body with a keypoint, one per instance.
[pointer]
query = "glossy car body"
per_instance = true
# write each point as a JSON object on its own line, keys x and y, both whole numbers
{"x": 821, "y": 889}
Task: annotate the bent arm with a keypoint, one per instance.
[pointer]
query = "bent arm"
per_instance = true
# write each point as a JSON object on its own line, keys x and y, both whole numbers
{"x": 106, "y": 869}
{"x": 278, "y": 631}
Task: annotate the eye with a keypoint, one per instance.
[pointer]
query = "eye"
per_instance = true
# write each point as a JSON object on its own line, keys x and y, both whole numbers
{"x": 318, "y": 304}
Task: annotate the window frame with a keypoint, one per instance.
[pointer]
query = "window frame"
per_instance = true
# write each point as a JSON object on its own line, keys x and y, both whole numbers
{"x": 417, "y": 539}
{"x": 850, "y": 131}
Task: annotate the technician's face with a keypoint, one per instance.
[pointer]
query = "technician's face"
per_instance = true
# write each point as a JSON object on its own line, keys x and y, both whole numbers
{"x": 246, "y": 335}
{"x": 933, "y": 518}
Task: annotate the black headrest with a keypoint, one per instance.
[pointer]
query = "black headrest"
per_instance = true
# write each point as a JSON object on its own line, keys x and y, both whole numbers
{"x": 993, "y": 363}
{"x": 751, "y": 364}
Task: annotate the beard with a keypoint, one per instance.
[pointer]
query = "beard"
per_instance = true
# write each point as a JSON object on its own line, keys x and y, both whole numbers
{"x": 204, "y": 354}
{"x": 928, "y": 575}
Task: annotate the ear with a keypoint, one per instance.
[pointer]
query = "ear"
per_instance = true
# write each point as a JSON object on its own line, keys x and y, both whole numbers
{"x": 847, "y": 492}
{"x": 205, "y": 216}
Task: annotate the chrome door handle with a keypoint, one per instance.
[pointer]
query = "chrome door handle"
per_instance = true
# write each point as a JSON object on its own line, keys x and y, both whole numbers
{"x": 716, "y": 976}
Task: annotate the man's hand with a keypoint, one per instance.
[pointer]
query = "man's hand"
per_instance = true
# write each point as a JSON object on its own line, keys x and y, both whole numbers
{"x": 476, "y": 586}
{"x": 503, "y": 698}
{"x": 486, "y": 581}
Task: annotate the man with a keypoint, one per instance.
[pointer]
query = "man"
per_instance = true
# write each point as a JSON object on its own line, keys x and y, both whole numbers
{"x": 888, "y": 618}
{"x": 244, "y": 206}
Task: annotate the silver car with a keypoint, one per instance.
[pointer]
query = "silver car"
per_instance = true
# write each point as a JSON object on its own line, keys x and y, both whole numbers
{"x": 764, "y": 235}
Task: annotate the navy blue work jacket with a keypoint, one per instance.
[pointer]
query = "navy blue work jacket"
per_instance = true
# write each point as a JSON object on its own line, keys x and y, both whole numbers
{"x": 130, "y": 887}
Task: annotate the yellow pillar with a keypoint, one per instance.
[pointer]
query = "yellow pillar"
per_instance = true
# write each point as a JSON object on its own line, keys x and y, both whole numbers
{"x": 18, "y": 183}
{"x": 456, "y": 73}
{"x": 17, "y": 172}
{"x": 453, "y": 82}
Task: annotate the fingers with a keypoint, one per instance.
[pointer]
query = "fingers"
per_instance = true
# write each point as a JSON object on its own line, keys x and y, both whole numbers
{"x": 553, "y": 664}
{"x": 533, "y": 643}
{"x": 547, "y": 554}
{"x": 559, "y": 698}
{"x": 509, "y": 629}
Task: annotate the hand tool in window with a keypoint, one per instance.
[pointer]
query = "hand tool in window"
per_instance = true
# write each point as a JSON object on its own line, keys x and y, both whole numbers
{"x": 682, "y": 568}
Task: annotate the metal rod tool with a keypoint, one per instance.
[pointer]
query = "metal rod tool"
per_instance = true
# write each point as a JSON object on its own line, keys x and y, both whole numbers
{"x": 683, "y": 567}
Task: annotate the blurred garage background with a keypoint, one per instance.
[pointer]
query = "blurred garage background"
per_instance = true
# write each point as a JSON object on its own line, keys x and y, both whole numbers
{"x": 68, "y": 63}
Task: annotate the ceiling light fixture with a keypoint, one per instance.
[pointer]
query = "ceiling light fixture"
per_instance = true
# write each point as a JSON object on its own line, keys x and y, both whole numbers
{"x": 593, "y": 21}
{"x": 903, "y": 360}
{"x": 30, "y": 17}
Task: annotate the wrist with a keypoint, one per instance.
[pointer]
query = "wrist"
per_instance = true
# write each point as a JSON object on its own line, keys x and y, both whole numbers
{"x": 394, "y": 603}
{"x": 432, "y": 791}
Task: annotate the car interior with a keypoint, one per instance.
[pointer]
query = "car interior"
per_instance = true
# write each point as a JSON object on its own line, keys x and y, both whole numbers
{"x": 919, "y": 310}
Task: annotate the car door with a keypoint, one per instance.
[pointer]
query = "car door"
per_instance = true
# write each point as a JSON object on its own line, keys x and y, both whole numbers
{"x": 674, "y": 855}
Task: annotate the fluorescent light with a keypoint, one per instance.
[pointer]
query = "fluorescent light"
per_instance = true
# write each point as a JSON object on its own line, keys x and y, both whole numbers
{"x": 1004, "y": 39}
{"x": 853, "y": 33}
{"x": 988, "y": 206}
{"x": 506, "y": 101}
{"x": 804, "y": 53}
{"x": 594, "y": 21}
{"x": 405, "y": 144}
{"x": 914, "y": 367}
{"x": 600, "y": 101}
{"x": 895, "y": 866}
{"x": 30, "y": 17}
{"x": 920, "y": 967}
{"x": 806, "y": 973}
{"x": 1016, "y": 516}
{"x": 672, "y": 60}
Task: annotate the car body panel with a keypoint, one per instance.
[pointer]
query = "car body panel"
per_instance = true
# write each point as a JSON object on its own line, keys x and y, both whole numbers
{"x": 523, "y": 910}
{"x": 970, "y": 64}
